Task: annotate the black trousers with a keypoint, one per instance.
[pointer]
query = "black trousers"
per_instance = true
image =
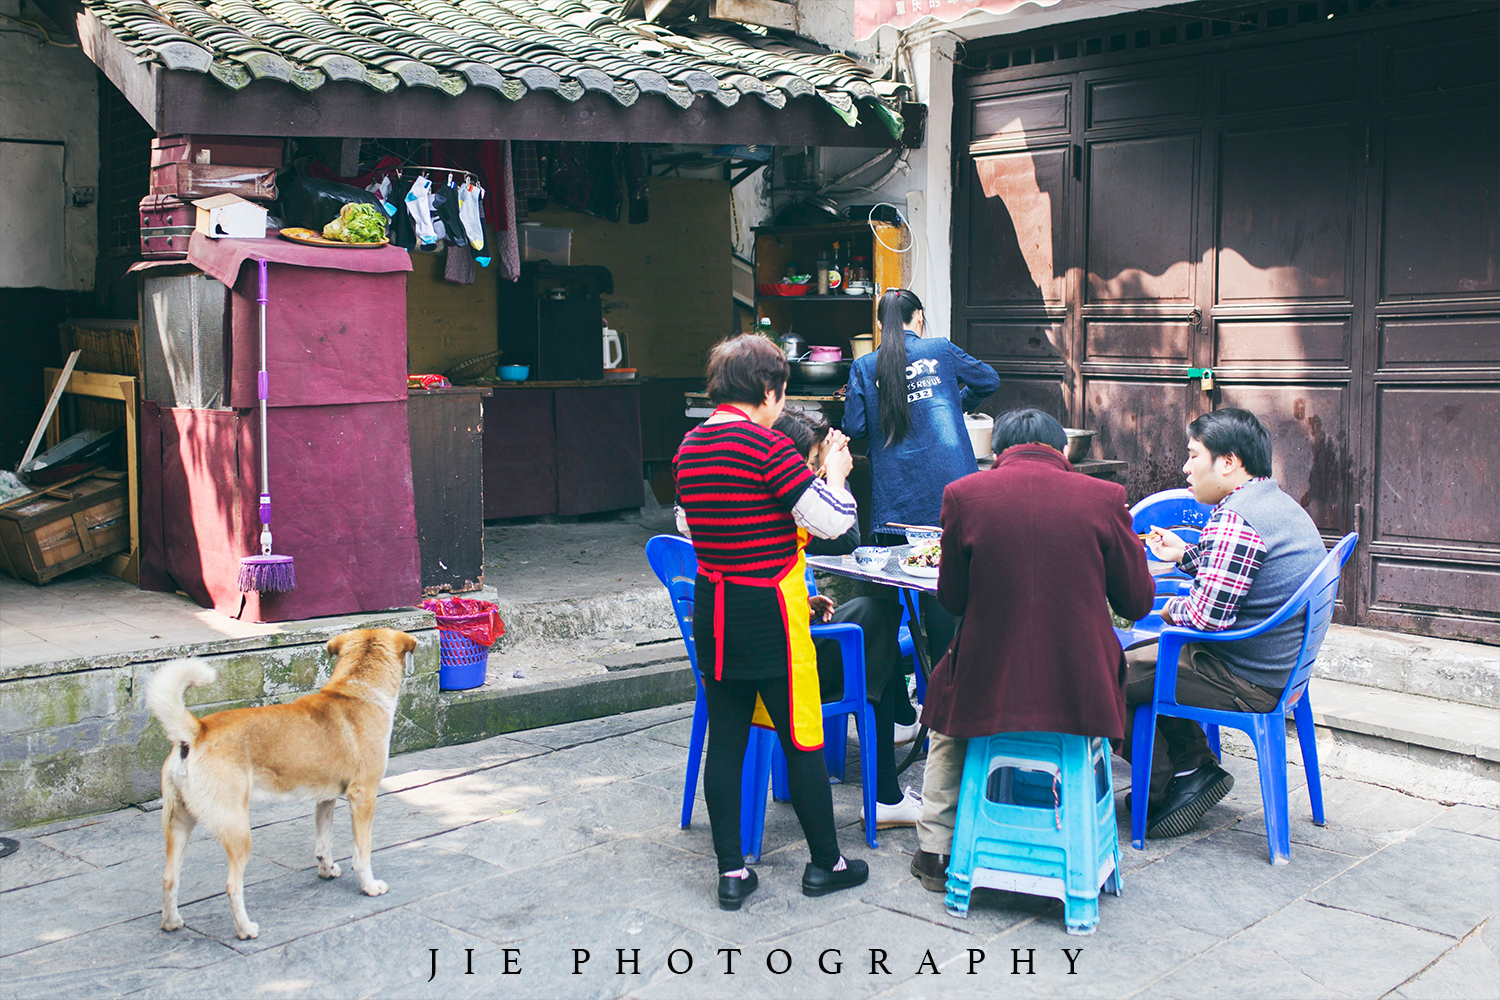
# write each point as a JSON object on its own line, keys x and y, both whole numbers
{"x": 885, "y": 685}
{"x": 731, "y": 705}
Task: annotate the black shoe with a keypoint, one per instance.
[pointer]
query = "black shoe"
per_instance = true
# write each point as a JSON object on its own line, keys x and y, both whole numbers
{"x": 733, "y": 891}
{"x": 1188, "y": 797}
{"x": 821, "y": 881}
{"x": 932, "y": 869}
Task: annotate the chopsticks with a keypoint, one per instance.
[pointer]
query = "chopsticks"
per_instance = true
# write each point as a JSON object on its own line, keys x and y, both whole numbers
{"x": 913, "y": 527}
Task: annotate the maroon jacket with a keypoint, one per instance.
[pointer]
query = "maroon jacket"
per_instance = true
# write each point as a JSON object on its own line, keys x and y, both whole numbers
{"x": 1031, "y": 552}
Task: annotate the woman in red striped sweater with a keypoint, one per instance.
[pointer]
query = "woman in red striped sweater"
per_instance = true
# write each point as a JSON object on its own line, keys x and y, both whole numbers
{"x": 748, "y": 500}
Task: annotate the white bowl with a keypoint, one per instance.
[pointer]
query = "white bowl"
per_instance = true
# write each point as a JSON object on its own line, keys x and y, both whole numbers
{"x": 917, "y": 536}
{"x": 871, "y": 557}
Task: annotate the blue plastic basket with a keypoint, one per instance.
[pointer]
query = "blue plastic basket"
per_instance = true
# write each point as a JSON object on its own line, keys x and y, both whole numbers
{"x": 461, "y": 661}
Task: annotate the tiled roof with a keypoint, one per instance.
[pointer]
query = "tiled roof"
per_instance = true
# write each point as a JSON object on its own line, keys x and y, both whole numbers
{"x": 568, "y": 47}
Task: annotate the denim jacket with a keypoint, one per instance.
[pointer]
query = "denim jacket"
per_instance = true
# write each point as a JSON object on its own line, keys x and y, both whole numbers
{"x": 908, "y": 477}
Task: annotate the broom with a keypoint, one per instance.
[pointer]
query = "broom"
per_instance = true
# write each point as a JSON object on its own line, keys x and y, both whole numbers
{"x": 265, "y": 573}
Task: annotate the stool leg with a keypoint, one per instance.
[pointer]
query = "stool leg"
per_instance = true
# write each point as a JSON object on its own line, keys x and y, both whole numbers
{"x": 1081, "y": 914}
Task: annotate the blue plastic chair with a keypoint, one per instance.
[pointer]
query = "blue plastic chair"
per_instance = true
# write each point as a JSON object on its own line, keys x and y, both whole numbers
{"x": 1178, "y": 511}
{"x": 676, "y": 566}
{"x": 1268, "y": 731}
{"x": 1036, "y": 814}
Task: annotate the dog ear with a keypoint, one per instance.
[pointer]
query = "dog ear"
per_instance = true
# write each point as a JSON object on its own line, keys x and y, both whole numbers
{"x": 336, "y": 644}
{"x": 406, "y": 643}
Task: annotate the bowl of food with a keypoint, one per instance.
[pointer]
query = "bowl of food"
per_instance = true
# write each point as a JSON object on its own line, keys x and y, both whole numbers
{"x": 871, "y": 557}
{"x": 922, "y": 561}
{"x": 917, "y": 537}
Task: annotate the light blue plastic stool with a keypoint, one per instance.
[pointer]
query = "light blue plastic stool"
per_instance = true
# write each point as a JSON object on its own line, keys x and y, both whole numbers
{"x": 1036, "y": 814}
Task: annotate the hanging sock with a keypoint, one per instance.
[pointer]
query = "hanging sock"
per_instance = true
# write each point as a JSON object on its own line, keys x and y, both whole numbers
{"x": 469, "y": 211}
{"x": 419, "y": 204}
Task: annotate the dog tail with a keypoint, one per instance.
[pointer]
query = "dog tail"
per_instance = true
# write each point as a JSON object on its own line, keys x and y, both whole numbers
{"x": 164, "y": 697}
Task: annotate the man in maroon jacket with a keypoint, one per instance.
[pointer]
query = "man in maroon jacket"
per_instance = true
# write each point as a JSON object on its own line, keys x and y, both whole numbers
{"x": 1033, "y": 557}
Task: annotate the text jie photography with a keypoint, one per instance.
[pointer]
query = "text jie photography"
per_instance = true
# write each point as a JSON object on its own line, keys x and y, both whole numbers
{"x": 447, "y": 964}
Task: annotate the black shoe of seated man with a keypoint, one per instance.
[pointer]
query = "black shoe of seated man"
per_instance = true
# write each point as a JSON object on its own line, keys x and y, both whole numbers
{"x": 932, "y": 869}
{"x": 821, "y": 881}
{"x": 733, "y": 891}
{"x": 1188, "y": 797}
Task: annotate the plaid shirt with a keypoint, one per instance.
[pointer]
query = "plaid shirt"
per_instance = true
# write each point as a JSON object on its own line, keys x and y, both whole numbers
{"x": 1223, "y": 564}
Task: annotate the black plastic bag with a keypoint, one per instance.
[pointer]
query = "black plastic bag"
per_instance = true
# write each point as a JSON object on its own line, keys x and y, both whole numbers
{"x": 312, "y": 203}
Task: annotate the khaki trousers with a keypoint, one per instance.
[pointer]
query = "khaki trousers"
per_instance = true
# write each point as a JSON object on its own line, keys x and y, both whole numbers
{"x": 940, "y": 786}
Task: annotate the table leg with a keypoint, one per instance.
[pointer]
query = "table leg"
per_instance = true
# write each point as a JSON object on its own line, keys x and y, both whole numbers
{"x": 919, "y": 655}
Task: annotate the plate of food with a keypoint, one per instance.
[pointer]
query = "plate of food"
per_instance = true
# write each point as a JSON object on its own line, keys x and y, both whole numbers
{"x": 312, "y": 237}
{"x": 922, "y": 561}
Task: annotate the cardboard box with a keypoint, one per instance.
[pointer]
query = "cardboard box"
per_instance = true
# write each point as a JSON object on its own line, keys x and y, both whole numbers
{"x": 230, "y": 216}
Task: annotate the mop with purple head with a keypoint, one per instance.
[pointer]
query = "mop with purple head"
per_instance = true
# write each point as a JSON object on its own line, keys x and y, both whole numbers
{"x": 265, "y": 573}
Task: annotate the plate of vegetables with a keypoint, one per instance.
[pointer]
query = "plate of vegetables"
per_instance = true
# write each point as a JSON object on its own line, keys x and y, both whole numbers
{"x": 359, "y": 224}
{"x": 922, "y": 561}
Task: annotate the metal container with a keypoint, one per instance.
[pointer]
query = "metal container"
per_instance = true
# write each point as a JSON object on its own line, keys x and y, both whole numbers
{"x": 819, "y": 372}
{"x": 1079, "y": 442}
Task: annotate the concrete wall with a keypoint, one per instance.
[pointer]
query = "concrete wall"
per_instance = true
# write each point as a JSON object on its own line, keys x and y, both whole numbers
{"x": 672, "y": 284}
{"x": 49, "y": 93}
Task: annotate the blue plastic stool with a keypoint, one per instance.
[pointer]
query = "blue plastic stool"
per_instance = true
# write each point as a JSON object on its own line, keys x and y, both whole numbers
{"x": 1036, "y": 814}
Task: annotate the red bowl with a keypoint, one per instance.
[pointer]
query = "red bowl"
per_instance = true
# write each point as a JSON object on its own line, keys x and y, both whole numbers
{"x": 783, "y": 290}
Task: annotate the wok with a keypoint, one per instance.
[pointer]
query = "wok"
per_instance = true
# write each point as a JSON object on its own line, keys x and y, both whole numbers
{"x": 819, "y": 372}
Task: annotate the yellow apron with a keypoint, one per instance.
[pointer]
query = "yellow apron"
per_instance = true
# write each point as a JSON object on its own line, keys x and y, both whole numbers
{"x": 802, "y": 658}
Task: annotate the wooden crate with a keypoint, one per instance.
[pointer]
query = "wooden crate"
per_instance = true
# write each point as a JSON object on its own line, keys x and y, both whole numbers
{"x": 66, "y": 526}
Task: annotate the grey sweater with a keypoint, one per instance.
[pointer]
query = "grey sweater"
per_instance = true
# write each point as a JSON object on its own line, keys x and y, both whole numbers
{"x": 1293, "y": 550}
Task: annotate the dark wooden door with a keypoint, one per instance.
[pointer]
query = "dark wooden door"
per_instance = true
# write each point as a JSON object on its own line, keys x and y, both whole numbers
{"x": 1430, "y": 380}
{"x": 1318, "y": 222}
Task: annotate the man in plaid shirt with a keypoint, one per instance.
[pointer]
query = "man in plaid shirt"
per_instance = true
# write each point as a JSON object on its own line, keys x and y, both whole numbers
{"x": 1258, "y": 546}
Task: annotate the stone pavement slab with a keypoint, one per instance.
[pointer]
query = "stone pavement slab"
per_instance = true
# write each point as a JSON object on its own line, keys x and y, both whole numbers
{"x": 568, "y": 838}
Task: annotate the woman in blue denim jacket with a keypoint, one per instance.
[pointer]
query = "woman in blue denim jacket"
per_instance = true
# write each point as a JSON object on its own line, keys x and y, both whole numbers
{"x": 909, "y": 399}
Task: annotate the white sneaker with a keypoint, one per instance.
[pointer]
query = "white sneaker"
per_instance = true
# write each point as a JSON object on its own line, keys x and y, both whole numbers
{"x": 903, "y": 813}
{"x": 905, "y": 734}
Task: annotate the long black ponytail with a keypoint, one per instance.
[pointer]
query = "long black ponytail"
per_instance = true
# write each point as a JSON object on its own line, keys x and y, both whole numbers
{"x": 897, "y": 307}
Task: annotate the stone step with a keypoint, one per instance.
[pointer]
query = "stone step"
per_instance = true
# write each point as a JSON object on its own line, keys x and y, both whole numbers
{"x": 1467, "y": 672}
{"x": 1449, "y": 726}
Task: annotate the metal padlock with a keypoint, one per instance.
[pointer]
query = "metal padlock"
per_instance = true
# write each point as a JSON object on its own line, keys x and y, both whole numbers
{"x": 1208, "y": 379}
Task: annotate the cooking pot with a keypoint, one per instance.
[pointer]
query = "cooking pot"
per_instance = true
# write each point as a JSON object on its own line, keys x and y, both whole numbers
{"x": 819, "y": 372}
{"x": 821, "y": 354}
{"x": 1078, "y": 443}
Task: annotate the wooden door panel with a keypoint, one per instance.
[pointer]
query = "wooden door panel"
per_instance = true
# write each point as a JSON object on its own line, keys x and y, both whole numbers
{"x": 1311, "y": 445}
{"x": 1017, "y": 342}
{"x": 1286, "y": 213}
{"x": 1466, "y": 342}
{"x": 1143, "y": 423}
{"x": 1287, "y": 343}
{"x": 1441, "y": 204}
{"x": 1141, "y": 219}
{"x": 1437, "y": 449}
{"x": 1302, "y": 83}
{"x": 1135, "y": 99}
{"x": 1019, "y": 116}
{"x": 1425, "y": 588}
{"x": 1138, "y": 342}
{"x": 1045, "y": 392}
{"x": 1016, "y": 245}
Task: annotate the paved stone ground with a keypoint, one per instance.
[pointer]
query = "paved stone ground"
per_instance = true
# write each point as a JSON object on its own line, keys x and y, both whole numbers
{"x": 567, "y": 838}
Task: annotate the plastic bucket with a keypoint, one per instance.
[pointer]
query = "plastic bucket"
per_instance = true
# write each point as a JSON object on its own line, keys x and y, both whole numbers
{"x": 461, "y": 661}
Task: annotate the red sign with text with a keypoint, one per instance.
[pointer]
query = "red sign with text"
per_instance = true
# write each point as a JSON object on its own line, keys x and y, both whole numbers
{"x": 869, "y": 15}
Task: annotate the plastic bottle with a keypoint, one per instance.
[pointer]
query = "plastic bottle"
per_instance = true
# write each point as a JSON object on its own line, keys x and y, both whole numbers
{"x": 765, "y": 330}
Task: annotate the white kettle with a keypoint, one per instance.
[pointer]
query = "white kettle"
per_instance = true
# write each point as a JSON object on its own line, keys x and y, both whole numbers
{"x": 614, "y": 351}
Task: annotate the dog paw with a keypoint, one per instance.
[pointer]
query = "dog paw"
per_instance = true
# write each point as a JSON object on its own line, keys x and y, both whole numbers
{"x": 375, "y": 887}
{"x": 171, "y": 923}
{"x": 250, "y": 930}
{"x": 329, "y": 869}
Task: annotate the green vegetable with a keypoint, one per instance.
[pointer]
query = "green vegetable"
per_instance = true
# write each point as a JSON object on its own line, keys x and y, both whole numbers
{"x": 358, "y": 222}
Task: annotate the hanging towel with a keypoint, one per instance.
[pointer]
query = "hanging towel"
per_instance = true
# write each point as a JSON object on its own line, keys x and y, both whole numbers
{"x": 508, "y": 248}
{"x": 459, "y": 267}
